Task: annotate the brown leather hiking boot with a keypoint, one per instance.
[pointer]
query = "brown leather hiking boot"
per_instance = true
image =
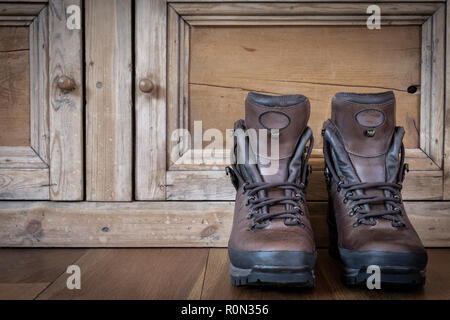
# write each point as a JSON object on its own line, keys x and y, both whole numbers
{"x": 364, "y": 157}
{"x": 271, "y": 240}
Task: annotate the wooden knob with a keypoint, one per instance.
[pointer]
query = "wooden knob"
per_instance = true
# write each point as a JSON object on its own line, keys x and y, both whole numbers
{"x": 146, "y": 86}
{"x": 66, "y": 83}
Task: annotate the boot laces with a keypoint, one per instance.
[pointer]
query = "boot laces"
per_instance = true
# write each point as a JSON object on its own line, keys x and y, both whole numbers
{"x": 361, "y": 202}
{"x": 295, "y": 195}
{"x": 391, "y": 200}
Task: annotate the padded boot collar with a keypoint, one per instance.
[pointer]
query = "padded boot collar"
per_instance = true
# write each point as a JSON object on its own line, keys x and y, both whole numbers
{"x": 365, "y": 121}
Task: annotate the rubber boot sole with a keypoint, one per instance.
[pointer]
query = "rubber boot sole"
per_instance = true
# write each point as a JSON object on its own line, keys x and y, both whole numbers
{"x": 274, "y": 268}
{"x": 272, "y": 276}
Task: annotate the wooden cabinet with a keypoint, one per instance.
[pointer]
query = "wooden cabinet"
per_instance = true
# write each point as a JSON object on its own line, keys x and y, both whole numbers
{"x": 41, "y": 141}
{"x": 150, "y": 67}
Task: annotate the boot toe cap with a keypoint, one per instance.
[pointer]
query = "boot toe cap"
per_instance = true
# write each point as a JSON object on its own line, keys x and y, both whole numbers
{"x": 272, "y": 259}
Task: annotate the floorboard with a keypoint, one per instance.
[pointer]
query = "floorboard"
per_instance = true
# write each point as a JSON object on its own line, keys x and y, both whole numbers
{"x": 328, "y": 285}
{"x": 25, "y": 273}
{"x": 35, "y": 265}
{"x": 21, "y": 291}
{"x": 135, "y": 274}
{"x": 179, "y": 274}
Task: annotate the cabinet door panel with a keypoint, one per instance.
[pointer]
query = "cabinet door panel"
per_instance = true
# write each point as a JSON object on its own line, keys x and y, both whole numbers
{"x": 15, "y": 86}
{"x": 34, "y": 159}
{"x": 217, "y": 52}
{"x": 24, "y": 168}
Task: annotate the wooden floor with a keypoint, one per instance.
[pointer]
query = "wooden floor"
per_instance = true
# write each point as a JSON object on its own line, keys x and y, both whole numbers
{"x": 178, "y": 274}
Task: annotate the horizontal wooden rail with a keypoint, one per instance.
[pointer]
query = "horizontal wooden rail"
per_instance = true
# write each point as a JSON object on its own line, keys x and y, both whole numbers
{"x": 166, "y": 224}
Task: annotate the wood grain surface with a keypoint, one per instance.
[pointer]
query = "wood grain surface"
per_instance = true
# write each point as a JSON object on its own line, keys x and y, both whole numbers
{"x": 14, "y": 87}
{"x": 109, "y": 134}
{"x": 227, "y": 62}
{"x": 181, "y": 274}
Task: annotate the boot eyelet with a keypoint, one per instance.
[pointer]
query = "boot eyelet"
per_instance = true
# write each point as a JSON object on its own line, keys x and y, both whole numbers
{"x": 354, "y": 211}
{"x": 357, "y": 223}
{"x": 299, "y": 210}
{"x": 345, "y": 200}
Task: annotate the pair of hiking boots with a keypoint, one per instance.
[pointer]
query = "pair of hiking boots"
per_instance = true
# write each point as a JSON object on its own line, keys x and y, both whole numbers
{"x": 272, "y": 239}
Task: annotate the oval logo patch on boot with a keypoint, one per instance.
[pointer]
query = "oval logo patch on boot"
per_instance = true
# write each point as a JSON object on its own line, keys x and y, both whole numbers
{"x": 274, "y": 120}
{"x": 370, "y": 118}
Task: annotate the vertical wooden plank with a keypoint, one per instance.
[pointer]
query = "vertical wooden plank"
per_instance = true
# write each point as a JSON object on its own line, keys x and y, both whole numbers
{"x": 39, "y": 90}
{"x": 447, "y": 111}
{"x": 108, "y": 100}
{"x": 437, "y": 85}
{"x": 34, "y": 88}
{"x": 184, "y": 75}
{"x": 173, "y": 84}
{"x": 186, "y": 57}
{"x": 425, "y": 87}
{"x": 66, "y": 108}
{"x": 151, "y": 32}
{"x": 43, "y": 113}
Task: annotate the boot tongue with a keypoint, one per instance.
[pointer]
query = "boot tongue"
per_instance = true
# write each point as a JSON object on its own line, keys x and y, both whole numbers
{"x": 289, "y": 114}
{"x": 366, "y": 123}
